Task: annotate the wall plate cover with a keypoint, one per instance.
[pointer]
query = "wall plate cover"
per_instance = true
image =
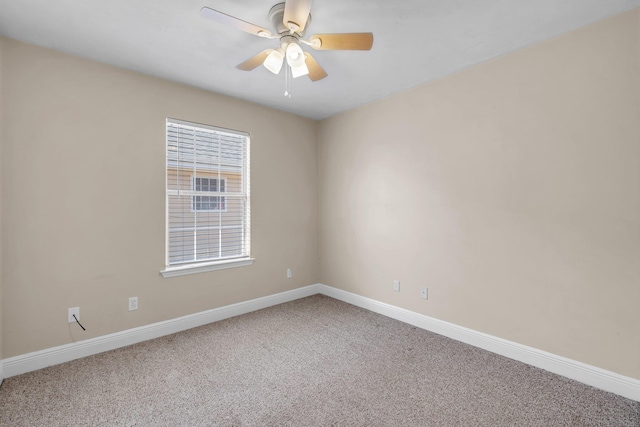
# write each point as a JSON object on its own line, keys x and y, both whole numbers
{"x": 71, "y": 312}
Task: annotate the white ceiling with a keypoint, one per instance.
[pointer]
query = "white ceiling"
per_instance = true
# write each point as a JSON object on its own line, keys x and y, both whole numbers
{"x": 415, "y": 41}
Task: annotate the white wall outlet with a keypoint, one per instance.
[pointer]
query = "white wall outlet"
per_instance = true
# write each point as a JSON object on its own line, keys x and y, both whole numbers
{"x": 72, "y": 311}
{"x": 289, "y": 273}
{"x": 133, "y": 303}
{"x": 424, "y": 293}
{"x": 396, "y": 285}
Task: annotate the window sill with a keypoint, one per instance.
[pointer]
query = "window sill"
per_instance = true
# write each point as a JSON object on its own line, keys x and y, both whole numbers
{"x": 205, "y": 266}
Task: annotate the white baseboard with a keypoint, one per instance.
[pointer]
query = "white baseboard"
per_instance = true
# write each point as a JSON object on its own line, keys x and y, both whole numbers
{"x": 67, "y": 352}
{"x": 586, "y": 374}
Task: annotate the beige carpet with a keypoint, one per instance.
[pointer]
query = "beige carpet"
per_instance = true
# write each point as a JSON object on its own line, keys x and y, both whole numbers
{"x": 315, "y": 361}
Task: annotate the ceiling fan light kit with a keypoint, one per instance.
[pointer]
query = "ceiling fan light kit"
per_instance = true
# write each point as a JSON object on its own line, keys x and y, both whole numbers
{"x": 289, "y": 20}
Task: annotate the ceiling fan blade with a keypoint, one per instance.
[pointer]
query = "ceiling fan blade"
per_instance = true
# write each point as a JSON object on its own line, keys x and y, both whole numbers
{"x": 254, "y": 61}
{"x": 342, "y": 41}
{"x": 316, "y": 72}
{"x": 296, "y": 12}
{"x": 223, "y": 18}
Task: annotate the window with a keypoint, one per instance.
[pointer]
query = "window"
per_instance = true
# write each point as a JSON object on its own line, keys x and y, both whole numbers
{"x": 207, "y": 198}
{"x": 208, "y": 203}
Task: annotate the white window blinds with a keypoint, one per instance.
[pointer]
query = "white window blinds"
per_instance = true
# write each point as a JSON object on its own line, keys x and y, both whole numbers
{"x": 207, "y": 193}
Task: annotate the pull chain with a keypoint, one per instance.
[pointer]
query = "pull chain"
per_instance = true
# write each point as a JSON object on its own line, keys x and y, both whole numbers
{"x": 287, "y": 80}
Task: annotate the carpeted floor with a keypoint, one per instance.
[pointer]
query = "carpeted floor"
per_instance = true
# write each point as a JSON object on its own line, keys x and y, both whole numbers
{"x": 311, "y": 362}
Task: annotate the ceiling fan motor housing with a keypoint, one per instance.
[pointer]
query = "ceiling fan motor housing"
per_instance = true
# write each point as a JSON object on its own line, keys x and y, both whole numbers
{"x": 276, "y": 15}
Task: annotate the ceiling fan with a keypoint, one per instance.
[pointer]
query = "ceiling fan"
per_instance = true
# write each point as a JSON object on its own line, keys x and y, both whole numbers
{"x": 289, "y": 20}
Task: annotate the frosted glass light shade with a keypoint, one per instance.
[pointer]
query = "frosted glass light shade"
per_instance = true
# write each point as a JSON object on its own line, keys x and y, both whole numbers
{"x": 274, "y": 61}
{"x": 299, "y": 70}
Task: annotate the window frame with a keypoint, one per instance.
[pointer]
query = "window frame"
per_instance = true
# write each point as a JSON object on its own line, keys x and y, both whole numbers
{"x": 199, "y": 266}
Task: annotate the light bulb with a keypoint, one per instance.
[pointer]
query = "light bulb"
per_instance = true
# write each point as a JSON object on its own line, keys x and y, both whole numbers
{"x": 294, "y": 54}
{"x": 274, "y": 61}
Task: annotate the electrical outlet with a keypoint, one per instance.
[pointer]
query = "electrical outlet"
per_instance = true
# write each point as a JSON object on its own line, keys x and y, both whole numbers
{"x": 72, "y": 311}
{"x": 396, "y": 285}
{"x": 424, "y": 293}
{"x": 289, "y": 273}
{"x": 133, "y": 303}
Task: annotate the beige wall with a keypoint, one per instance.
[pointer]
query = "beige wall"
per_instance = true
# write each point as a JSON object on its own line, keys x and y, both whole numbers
{"x": 511, "y": 190}
{"x": 1, "y": 223}
{"x": 83, "y": 178}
